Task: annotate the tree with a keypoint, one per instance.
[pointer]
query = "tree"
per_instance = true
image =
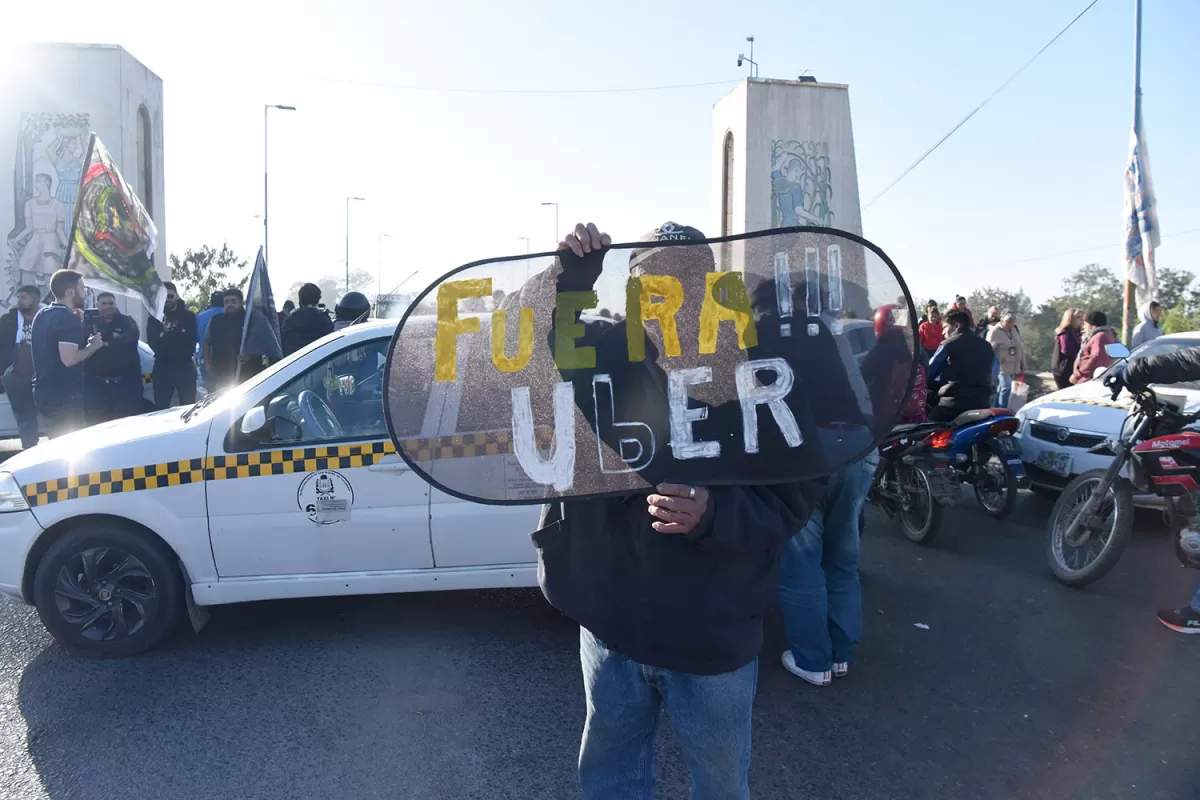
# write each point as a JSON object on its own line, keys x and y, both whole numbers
{"x": 1017, "y": 302}
{"x": 201, "y": 272}
{"x": 332, "y": 287}
{"x": 1096, "y": 288}
{"x": 1173, "y": 294}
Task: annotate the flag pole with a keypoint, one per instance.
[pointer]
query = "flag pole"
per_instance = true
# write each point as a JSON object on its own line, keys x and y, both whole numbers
{"x": 87, "y": 162}
{"x": 1130, "y": 316}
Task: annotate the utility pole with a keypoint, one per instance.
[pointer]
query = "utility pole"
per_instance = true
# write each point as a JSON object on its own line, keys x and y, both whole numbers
{"x": 1130, "y": 316}
{"x": 348, "y": 199}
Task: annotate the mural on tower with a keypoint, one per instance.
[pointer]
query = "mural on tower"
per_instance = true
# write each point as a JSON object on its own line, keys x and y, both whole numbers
{"x": 49, "y": 166}
{"x": 801, "y": 190}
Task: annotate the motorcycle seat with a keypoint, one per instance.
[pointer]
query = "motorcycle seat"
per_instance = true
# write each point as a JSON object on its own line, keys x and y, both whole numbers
{"x": 979, "y": 415}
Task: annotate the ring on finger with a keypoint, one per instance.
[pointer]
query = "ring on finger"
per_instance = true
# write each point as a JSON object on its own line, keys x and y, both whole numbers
{"x": 691, "y": 492}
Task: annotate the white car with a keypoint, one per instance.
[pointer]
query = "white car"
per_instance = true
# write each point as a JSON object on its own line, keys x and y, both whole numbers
{"x": 8, "y": 423}
{"x": 287, "y": 486}
{"x": 1057, "y": 429}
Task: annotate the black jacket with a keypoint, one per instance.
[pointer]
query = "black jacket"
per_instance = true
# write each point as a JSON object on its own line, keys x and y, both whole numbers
{"x": 120, "y": 358}
{"x": 692, "y": 603}
{"x": 304, "y": 326}
{"x": 8, "y": 338}
{"x": 1178, "y": 367}
{"x": 962, "y": 369}
{"x": 173, "y": 339}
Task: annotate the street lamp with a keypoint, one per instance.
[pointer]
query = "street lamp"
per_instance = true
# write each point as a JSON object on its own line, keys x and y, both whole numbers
{"x": 554, "y": 241}
{"x": 267, "y": 108}
{"x": 379, "y": 271}
{"x": 348, "y": 199}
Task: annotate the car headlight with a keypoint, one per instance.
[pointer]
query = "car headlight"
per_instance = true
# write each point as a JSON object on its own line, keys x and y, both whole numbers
{"x": 12, "y": 496}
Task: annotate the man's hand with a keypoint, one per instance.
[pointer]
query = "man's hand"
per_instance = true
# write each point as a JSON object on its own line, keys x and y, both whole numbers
{"x": 585, "y": 239}
{"x": 582, "y": 258}
{"x": 679, "y": 507}
{"x": 95, "y": 342}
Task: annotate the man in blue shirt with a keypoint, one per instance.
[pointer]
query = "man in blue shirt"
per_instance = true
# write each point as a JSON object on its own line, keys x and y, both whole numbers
{"x": 59, "y": 352}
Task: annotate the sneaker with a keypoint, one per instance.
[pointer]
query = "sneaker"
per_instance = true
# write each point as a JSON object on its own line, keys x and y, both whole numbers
{"x": 1181, "y": 620}
{"x": 815, "y": 678}
{"x": 841, "y": 669}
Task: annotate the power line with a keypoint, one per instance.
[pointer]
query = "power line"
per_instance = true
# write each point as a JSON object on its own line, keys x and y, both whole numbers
{"x": 1086, "y": 250}
{"x": 408, "y": 87}
{"x": 986, "y": 100}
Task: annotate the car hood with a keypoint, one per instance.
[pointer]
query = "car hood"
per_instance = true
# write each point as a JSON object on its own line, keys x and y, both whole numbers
{"x": 130, "y": 442}
{"x": 1090, "y": 407}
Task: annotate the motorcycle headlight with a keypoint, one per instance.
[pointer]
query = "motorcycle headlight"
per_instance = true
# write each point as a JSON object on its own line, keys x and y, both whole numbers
{"x": 12, "y": 497}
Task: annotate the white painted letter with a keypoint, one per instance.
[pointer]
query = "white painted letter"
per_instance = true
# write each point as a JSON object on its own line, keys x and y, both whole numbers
{"x": 606, "y": 415}
{"x": 559, "y": 471}
{"x": 682, "y": 417}
{"x": 752, "y": 394}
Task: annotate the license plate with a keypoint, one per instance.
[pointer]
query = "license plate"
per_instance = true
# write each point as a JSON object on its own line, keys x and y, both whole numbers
{"x": 1058, "y": 463}
{"x": 1006, "y": 446}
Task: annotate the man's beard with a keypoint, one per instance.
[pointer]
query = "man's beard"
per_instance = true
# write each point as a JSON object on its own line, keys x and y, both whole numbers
{"x": 77, "y": 301}
{"x": 169, "y": 305}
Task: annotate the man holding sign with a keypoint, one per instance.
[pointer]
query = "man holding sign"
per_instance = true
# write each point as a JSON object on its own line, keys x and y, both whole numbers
{"x": 669, "y": 589}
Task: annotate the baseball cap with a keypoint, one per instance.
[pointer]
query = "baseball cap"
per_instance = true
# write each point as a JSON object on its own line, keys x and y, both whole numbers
{"x": 667, "y": 232}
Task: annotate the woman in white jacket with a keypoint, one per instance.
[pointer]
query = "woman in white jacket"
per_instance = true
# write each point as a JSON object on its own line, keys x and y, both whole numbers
{"x": 1148, "y": 329}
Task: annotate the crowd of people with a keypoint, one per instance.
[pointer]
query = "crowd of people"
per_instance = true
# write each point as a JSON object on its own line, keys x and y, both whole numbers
{"x": 77, "y": 366}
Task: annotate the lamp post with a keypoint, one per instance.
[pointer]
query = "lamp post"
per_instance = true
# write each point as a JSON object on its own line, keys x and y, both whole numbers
{"x": 267, "y": 108}
{"x": 379, "y": 270}
{"x": 348, "y": 199}
{"x": 554, "y": 241}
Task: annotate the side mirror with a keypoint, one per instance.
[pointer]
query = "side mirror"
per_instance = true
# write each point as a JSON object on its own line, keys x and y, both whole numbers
{"x": 1116, "y": 350}
{"x": 254, "y": 422}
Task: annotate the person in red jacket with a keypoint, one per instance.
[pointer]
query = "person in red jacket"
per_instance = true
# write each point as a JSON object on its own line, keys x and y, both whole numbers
{"x": 1097, "y": 335}
{"x": 931, "y": 332}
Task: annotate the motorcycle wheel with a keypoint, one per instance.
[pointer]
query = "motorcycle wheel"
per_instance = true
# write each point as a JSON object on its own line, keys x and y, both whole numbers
{"x": 996, "y": 487}
{"x": 920, "y": 515}
{"x": 1096, "y": 544}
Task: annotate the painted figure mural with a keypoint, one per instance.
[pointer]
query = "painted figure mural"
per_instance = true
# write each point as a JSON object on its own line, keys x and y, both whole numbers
{"x": 49, "y": 166}
{"x": 801, "y": 192}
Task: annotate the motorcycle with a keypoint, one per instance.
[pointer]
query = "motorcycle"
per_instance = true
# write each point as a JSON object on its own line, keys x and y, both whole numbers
{"x": 922, "y": 465}
{"x": 1092, "y": 521}
{"x": 987, "y": 457}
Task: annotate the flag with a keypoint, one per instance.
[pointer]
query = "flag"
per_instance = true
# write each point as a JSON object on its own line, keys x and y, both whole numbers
{"x": 112, "y": 237}
{"x": 1141, "y": 216}
{"x": 260, "y": 331}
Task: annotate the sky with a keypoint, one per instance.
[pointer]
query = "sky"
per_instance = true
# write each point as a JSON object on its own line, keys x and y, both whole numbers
{"x": 457, "y": 168}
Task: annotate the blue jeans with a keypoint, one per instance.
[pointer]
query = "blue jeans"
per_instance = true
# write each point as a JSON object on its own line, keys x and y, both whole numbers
{"x": 819, "y": 592}
{"x": 1005, "y": 390}
{"x": 710, "y": 717}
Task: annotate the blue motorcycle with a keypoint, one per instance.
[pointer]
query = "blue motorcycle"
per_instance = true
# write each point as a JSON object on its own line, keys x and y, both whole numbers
{"x": 985, "y": 455}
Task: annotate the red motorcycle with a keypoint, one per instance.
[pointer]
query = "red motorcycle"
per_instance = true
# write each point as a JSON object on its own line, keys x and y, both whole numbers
{"x": 1093, "y": 518}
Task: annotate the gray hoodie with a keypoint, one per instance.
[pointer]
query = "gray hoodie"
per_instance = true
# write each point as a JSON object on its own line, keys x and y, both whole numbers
{"x": 1147, "y": 330}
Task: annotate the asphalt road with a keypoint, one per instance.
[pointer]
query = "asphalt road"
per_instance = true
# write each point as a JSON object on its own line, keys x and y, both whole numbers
{"x": 1020, "y": 688}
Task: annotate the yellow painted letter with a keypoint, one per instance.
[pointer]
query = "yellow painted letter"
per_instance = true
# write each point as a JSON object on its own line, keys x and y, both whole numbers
{"x": 736, "y": 308}
{"x": 640, "y": 306}
{"x": 449, "y": 326}
{"x": 567, "y": 330}
{"x": 524, "y": 341}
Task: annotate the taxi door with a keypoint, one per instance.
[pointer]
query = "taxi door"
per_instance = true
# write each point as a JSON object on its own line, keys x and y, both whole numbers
{"x": 319, "y": 489}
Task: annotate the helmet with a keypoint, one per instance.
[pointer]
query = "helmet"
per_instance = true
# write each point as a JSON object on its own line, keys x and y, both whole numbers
{"x": 352, "y": 306}
{"x": 884, "y": 319}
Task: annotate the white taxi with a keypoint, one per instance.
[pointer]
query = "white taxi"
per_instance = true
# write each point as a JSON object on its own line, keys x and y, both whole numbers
{"x": 1058, "y": 429}
{"x": 287, "y": 486}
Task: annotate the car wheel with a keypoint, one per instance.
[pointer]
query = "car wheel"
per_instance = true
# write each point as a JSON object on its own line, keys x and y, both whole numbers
{"x": 104, "y": 591}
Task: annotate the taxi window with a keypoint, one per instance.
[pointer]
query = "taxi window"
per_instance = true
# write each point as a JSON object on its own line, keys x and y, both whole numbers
{"x": 339, "y": 399}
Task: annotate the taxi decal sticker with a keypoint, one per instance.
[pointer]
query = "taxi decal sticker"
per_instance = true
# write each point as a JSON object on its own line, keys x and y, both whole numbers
{"x": 267, "y": 462}
{"x": 326, "y": 496}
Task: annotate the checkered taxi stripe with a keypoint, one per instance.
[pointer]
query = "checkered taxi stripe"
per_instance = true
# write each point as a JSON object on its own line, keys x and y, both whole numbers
{"x": 1101, "y": 403}
{"x": 269, "y": 462}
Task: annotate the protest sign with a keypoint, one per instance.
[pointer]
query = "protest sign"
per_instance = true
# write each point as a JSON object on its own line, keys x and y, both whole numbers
{"x": 762, "y": 358}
